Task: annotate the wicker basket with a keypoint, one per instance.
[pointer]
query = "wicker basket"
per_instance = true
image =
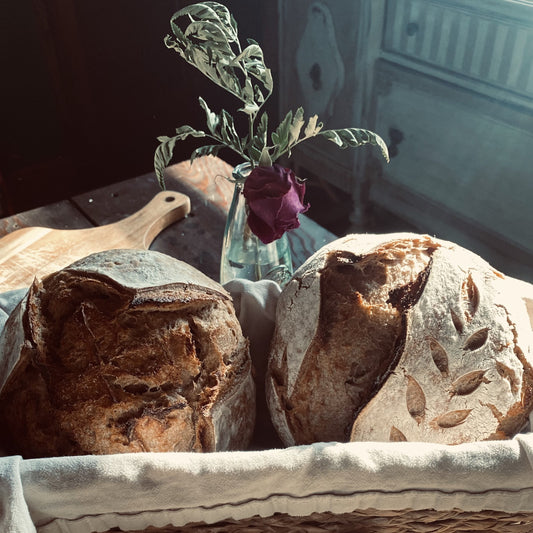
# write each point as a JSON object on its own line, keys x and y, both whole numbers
{"x": 368, "y": 521}
{"x": 374, "y": 520}
{"x": 338, "y": 487}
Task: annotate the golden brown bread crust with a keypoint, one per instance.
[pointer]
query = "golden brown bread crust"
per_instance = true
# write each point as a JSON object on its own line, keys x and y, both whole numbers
{"x": 126, "y": 351}
{"x": 357, "y": 338}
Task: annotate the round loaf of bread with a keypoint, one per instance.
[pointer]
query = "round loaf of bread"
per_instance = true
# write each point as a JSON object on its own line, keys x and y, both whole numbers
{"x": 125, "y": 351}
{"x": 400, "y": 337}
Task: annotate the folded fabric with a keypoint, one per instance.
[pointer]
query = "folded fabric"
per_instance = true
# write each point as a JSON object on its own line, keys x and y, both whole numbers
{"x": 8, "y": 302}
{"x": 135, "y": 491}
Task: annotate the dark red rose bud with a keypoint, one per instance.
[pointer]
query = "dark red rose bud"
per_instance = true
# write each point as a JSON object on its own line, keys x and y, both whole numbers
{"x": 275, "y": 199}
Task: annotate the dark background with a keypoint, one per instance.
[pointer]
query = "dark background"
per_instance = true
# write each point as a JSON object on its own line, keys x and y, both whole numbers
{"x": 87, "y": 86}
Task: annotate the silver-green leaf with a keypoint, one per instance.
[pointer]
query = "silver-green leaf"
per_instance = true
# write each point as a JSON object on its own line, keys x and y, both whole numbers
{"x": 353, "y": 137}
{"x": 210, "y": 42}
{"x": 162, "y": 157}
{"x": 280, "y": 137}
{"x": 296, "y": 126}
{"x": 229, "y": 133}
{"x": 164, "y": 151}
{"x": 312, "y": 127}
{"x": 205, "y": 35}
{"x": 212, "y": 119}
{"x": 210, "y": 149}
{"x": 259, "y": 141}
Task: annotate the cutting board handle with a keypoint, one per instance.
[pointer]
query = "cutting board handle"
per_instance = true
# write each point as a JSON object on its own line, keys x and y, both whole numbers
{"x": 33, "y": 251}
{"x": 144, "y": 225}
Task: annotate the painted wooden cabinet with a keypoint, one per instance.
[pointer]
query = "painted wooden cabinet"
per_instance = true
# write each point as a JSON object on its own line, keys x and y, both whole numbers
{"x": 449, "y": 85}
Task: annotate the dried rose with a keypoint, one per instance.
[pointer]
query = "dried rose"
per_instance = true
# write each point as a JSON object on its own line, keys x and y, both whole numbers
{"x": 275, "y": 199}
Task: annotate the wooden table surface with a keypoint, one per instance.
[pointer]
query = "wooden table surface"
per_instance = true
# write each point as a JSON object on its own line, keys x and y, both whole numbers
{"x": 197, "y": 239}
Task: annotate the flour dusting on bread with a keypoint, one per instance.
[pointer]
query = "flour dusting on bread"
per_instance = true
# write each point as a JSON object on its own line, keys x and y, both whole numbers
{"x": 403, "y": 337}
{"x": 125, "y": 351}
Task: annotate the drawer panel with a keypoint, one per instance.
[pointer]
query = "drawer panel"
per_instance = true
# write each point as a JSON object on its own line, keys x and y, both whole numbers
{"x": 465, "y": 38}
{"x": 467, "y": 154}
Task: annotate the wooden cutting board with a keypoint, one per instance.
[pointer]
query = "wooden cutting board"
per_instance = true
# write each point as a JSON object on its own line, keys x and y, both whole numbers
{"x": 37, "y": 251}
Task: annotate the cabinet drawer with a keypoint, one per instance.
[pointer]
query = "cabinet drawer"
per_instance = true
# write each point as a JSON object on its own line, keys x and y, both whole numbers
{"x": 465, "y": 154}
{"x": 466, "y": 38}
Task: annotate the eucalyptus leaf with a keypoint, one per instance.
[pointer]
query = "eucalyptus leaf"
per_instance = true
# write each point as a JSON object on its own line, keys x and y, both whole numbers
{"x": 209, "y": 32}
{"x": 164, "y": 151}
{"x": 262, "y": 129}
{"x": 250, "y": 108}
{"x": 210, "y": 149}
{"x": 253, "y": 153}
{"x": 205, "y": 35}
{"x": 312, "y": 128}
{"x": 354, "y": 137}
{"x": 251, "y": 51}
{"x": 229, "y": 133}
{"x": 248, "y": 92}
{"x": 210, "y": 12}
{"x": 258, "y": 96}
{"x": 184, "y": 131}
{"x": 265, "y": 160}
{"x": 206, "y": 43}
{"x": 280, "y": 137}
{"x": 225, "y": 76}
{"x": 212, "y": 119}
{"x": 253, "y": 62}
{"x": 296, "y": 126}
{"x": 162, "y": 157}
{"x": 259, "y": 141}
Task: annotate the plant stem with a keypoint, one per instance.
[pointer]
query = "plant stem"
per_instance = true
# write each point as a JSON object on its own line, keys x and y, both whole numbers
{"x": 251, "y": 120}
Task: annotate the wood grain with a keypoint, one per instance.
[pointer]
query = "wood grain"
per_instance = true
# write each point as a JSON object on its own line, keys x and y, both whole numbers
{"x": 33, "y": 251}
{"x": 209, "y": 175}
{"x": 59, "y": 215}
{"x": 195, "y": 239}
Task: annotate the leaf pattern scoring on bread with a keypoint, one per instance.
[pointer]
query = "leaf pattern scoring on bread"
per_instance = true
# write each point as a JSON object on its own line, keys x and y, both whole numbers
{"x": 467, "y": 383}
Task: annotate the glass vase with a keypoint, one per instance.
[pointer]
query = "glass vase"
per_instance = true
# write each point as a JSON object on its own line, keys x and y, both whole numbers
{"x": 244, "y": 256}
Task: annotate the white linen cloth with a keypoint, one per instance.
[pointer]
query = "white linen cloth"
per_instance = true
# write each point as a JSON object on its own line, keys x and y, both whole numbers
{"x": 135, "y": 491}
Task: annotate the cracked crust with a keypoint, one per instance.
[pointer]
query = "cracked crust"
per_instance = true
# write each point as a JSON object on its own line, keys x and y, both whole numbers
{"x": 125, "y": 351}
{"x": 432, "y": 344}
{"x": 325, "y": 367}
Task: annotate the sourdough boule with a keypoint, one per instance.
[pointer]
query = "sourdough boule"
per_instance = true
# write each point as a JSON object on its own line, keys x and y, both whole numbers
{"x": 125, "y": 351}
{"x": 400, "y": 337}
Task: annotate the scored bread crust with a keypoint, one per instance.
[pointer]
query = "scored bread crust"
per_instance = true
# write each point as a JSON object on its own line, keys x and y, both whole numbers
{"x": 125, "y": 351}
{"x": 411, "y": 337}
{"x": 466, "y": 368}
